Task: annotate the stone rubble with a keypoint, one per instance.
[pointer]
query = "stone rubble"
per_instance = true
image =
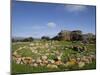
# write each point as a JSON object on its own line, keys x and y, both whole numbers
{"x": 44, "y": 60}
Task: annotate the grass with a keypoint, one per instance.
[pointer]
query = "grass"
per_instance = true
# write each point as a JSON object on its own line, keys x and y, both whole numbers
{"x": 24, "y": 69}
{"x": 25, "y": 52}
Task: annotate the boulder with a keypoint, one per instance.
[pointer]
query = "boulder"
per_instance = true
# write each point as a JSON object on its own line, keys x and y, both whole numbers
{"x": 20, "y": 48}
{"x": 41, "y": 64}
{"x": 58, "y": 62}
{"x": 33, "y": 60}
{"x": 16, "y": 56}
{"x": 52, "y": 66}
{"x": 71, "y": 62}
{"x": 59, "y": 57}
{"x": 44, "y": 57}
{"x": 35, "y": 65}
{"x": 31, "y": 44}
{"x": 27, "y": 60}
{"x": 18, "y": 60}
{"x": 45, "y": 62}
{"x": 51, "y": 61}
{"x": 15, "y": 53}
{"x": 85, "y": 59}
{"x": 78, "y": 59}
{"x": 93, "y": 57}
{"x": 47, "y": 54}
{"x": 81, "y": 64}
{"x": 38, "y": 60}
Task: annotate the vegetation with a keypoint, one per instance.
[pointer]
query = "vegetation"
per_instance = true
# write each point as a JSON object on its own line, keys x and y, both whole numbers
{"x": 67, "y": 51}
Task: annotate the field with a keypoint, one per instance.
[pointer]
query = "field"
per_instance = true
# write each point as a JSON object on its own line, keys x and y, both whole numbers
{"x": 51, "y": 56}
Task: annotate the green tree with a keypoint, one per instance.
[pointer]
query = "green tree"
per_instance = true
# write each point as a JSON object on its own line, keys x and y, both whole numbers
{"x": 45, "y": 38}
{"x": 76, "y": 35}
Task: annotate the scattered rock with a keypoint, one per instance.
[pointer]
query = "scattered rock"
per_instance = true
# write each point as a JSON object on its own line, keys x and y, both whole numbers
{"x": 85, "y": 59}
{"x": 81, "y": 64}
{"x": 27, "y": 60}
{"x": 33, "y": 60}
{"x": 79, "y": 48}
{"x": 41, "y": 64}
{"x": 51, "y": 61}
{"x": 45, "y": 62}
{"x": 52, "y": 66}
{"x": 71, "y": 62}
{"x": 93, "y": 57}
{"x": 47, "y": 54}
{"x": 44, "y": 57}
{"x": 20, "y": 48}
{"x": 58, "y": 57}
{"x": 18, "y": 61}
{"x": 35, "y": 65}
{"x": 38, "y": 60}
{"x": 31, "y": 44}
{"x": 58, "y": 62}
{"x": 78, "y": 59}
{"x": 15, "y": 53}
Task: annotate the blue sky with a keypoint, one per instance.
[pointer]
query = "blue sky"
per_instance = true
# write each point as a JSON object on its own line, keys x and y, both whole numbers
{"x": 46, "y": 19}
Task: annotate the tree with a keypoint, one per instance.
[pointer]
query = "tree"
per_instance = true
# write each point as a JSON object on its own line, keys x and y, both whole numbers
{"x": 55, "y": 38}
{"x": 13, "y": 40}
{"x": 76, "y": 35}
{"x": 64, "y": 35}
{"x": 45, "y": 38}
{"x": 28, "y": 39}
{"x": 91, "y": 38}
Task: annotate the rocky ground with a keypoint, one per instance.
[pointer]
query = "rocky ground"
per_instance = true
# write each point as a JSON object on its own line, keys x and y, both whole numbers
{"x": 53, "y": 55}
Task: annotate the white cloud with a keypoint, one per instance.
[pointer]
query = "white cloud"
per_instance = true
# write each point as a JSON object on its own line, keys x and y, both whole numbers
{"x": 75, "y": 8}
{"x": 51, "y": 24}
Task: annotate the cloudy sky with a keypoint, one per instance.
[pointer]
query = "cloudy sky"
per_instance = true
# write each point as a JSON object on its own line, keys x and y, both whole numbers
{"x": 45, "y": 19}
